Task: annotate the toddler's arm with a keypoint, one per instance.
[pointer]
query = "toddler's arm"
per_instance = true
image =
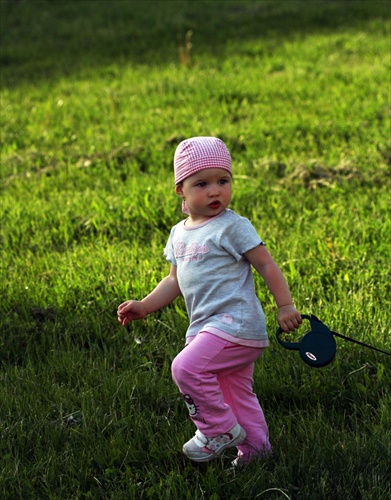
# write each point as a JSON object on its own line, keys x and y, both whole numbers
{"x": 165, "y": 292}
{"x": 288, "y": 317}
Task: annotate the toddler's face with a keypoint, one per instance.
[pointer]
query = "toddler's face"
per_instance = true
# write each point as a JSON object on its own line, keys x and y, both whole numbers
{"x": 207, "y": 193}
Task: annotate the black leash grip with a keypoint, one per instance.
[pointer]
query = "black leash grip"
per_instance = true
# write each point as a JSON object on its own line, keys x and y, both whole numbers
{"x": 317, "y": 348}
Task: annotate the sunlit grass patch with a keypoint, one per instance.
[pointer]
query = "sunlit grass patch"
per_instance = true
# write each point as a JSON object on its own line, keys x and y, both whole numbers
{"x": 94, "y": 100}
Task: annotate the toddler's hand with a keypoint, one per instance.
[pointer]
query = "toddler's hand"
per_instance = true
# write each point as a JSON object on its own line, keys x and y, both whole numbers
{"x": 129, "y": 311}
{"x": 289, "y": 318}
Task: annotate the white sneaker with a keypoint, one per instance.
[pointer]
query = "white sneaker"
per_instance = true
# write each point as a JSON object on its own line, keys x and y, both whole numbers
{"x": 238, "y": 462}
{"x": 202, "y": 449}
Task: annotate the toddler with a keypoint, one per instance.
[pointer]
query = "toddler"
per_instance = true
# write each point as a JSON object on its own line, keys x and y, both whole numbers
{"x": 211, "y": 254}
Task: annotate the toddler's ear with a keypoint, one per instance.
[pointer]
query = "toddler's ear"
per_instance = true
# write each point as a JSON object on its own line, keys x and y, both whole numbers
{"x": 179, "y": 189}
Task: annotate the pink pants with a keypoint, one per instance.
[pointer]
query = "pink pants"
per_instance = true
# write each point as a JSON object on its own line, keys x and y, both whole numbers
{"x": 215, "y": 379}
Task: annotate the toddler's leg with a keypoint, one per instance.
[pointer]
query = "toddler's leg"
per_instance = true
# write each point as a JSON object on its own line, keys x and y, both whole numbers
{"x": 194, "y": 371}
{"x": 238, "y": 394}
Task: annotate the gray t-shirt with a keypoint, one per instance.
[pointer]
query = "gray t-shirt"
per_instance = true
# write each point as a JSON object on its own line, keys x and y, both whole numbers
{"x": 216, "y": 279}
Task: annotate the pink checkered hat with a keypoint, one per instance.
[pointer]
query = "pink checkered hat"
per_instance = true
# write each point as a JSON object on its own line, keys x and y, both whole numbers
{"x": 199, "y": 153}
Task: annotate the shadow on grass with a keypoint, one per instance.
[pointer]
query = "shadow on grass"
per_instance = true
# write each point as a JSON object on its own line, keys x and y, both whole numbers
{"x": 44, "y": 39}
{"x": 30, "y": 332}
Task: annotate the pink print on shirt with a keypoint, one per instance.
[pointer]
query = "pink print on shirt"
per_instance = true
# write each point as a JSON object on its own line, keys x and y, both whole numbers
{"x": 190, "y": 252}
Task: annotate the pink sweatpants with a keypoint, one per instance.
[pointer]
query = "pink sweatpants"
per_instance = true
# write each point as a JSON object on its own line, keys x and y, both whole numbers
{"x": 215, "y": 379}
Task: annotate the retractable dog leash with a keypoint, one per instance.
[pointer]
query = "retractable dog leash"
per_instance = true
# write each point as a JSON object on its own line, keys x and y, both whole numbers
{"x": 318, "y": 347}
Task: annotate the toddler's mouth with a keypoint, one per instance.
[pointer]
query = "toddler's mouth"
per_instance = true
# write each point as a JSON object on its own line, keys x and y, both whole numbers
{"x": 214, "y": 205}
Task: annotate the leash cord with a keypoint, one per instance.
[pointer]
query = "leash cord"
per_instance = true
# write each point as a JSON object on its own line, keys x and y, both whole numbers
{"x": 360, "y": 343}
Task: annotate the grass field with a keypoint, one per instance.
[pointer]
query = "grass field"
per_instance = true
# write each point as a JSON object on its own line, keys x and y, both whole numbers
{"x": 94, "y": 100}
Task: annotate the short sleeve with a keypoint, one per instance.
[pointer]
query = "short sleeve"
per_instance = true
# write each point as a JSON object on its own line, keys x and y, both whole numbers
{"x": 169, "y": 249}
{"x": 240, "y": 237}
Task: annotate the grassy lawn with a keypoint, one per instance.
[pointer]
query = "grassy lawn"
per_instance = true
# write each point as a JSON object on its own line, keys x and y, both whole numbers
{"x": 94, "y": 100}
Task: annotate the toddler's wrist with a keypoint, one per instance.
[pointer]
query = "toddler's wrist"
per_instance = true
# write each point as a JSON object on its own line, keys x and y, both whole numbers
{"x": 144, "y": 307}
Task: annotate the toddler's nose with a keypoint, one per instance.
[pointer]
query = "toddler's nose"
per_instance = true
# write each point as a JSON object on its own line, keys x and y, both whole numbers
{"x": 214, "y": 190}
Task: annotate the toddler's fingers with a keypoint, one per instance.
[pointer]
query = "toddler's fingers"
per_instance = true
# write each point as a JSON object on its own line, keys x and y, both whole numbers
{"x": 124, "y": 309}
{"x": 122, "y": 306}
{"x": 289, "y": 325}
{"x": 125, "y": 321}
{"x": 297, "y": 321}
{"x": 121, "y": 317}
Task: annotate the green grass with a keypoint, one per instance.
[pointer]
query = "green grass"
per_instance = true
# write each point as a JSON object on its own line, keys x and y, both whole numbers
{"x": 94, "y": 101}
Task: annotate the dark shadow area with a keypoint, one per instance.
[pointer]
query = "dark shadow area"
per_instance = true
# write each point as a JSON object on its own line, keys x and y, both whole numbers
{"x": 30, "y": 332}
{"x": 48, "y": 39}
